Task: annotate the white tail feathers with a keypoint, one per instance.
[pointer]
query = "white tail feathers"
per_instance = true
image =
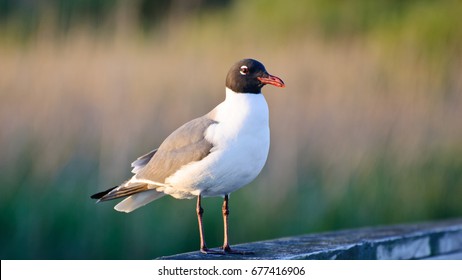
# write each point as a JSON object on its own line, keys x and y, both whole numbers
{"x": 135, "y": 201}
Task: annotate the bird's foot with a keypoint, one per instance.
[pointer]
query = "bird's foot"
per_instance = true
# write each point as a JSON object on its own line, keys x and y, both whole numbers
{"x": 205, "y": 250}
{"x": 227, "y": 250}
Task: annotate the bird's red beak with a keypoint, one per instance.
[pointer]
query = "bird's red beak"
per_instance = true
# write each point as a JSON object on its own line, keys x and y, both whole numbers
{"x": 272, "y": 80}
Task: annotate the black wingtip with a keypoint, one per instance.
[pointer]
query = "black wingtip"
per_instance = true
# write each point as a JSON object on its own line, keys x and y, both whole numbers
{"x": 102, "y": 194}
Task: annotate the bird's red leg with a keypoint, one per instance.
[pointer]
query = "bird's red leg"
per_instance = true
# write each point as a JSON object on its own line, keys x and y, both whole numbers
{"x": 225, "y": 211}
{"x": 226, "y": 248}
{"x": 200, "y": 212}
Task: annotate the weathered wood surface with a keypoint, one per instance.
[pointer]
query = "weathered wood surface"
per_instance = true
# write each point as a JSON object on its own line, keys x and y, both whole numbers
{"x": 431, "y": 240}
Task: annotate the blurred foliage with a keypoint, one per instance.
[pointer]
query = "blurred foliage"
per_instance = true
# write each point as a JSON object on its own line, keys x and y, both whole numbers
{"x": 27, "y": 15}
{"x": 372, "y": 135}
{"x": 430, "y": 23}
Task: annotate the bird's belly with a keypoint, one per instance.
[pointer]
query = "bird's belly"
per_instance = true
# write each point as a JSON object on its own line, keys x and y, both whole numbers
{"x": 238, "y": 166}
{"x": 226, "y": 169}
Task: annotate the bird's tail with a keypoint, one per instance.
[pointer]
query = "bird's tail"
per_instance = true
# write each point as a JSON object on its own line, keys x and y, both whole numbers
{"x": 135, "y": 201}
{"x": 137, "y": 195}
{"x": 126, "y": 189}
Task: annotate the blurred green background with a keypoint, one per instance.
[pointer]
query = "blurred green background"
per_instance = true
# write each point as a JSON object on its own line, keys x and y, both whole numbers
{"x": 367, "y": 132}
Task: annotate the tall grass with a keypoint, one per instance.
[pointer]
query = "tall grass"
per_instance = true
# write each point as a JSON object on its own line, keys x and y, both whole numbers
{"x": 367, "y": 131}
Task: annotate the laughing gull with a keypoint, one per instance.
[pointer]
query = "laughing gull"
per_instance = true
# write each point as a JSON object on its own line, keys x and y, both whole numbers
{"x": 212, "y": 155}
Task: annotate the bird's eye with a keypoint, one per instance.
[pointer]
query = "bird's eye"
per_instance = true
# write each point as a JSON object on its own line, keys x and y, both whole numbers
{"x": 244, "y": 70}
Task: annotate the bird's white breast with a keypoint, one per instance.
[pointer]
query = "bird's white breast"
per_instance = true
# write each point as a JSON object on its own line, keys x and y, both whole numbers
{"x": 240, "y": 147}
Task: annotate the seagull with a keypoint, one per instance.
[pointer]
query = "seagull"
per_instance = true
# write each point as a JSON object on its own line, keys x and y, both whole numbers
{"x": 212, "y": 155}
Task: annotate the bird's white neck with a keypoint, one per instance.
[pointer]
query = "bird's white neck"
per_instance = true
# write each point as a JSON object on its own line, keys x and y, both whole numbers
{"x": 240, "y": 106}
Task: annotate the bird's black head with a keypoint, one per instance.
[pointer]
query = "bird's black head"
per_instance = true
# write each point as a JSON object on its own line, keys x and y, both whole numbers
{"x": 249, "y": 76}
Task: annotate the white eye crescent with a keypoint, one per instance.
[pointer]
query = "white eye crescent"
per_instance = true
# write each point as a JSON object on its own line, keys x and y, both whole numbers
{"x": 244, "y": 70}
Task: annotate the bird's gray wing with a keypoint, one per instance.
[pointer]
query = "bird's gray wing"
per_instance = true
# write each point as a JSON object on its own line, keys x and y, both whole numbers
{"x": 185, "y": 145}
{"x": 141, "y": 162}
